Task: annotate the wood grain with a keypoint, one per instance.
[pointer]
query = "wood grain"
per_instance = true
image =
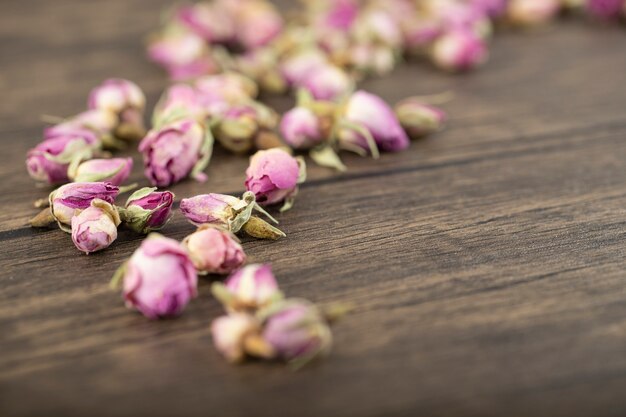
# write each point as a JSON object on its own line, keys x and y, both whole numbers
{"x": 488, "y": 262}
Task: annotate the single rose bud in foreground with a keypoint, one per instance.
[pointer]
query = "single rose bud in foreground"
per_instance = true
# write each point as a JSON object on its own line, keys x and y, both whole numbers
{"x": 175, "y": 151}
{"x": 419, "y": 119}
{"x": 237, "y": 335}
{"x": 124, "y": 99}
{"x": 459, "y": 50}
{"x": 296, "y": 330}
{"x": 532, "y": 12}
{"x": 114, "y": 171}
{"x": 273, "y": 176}
{"x": 250, "y": 288}
{"x": 369, "y": 123}
{"x": 159, "y": 279}
{"x": 300, "y": 128}
{"x": 95, "y": 228}
{"x": 214, "y": 250}
{"x": 70, "y": 199}
{"x": 147, "y": 210}
{"x": 605, "y": 9}
{"x": 50, "y": 160}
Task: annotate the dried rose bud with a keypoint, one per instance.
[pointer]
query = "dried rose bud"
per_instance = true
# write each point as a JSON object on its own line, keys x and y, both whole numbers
{"x": 101, "y": 122}
{"x": 298, "y": 67}
{"x": 532, "y": 12}
{"x": 257, "y": 23}
{"x": 300, "y": 128}
{"x": 372, "y": 59}
{"x": 176, "y": 150}
{"x": 379, "y": 27}
{"x": 605, "y": 9}
{"x": 159, "y": 279}
{"x": 114, "y": 171}
{"x": 178, "y": 101}
{"x": 297, "y": 331}
{"x": 459, "y": 50}
{"x": 183, "y": 54}
{"x": 147, "y": 210}
{"x": 49, "y": 161}
{"x": 273, "y": 176}
{"x": 490, "y": 8}
{"x": 250, "y": 288}
{"x": 370, "y": 124}
{"x": 327, "y": 82}
{"x": 233, "y": 334}
{"x": 70, "y": 199}
{"x": 419, "y": 119}
{"x": 237, "y": 128}
{"x": 231, "y": 87}
{"x": 209, "y": 21}
{"x": 214, "y": 250}
{"x": 95, "y": 228}
{"x": 231, "y": 213}
{"x": 340, "y": 15}
{"x": 124, "y": 99}
{"x": 419, "y": 32}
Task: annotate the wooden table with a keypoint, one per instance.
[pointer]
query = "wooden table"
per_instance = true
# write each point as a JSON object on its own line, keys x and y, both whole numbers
{"x": 488, "y": 262}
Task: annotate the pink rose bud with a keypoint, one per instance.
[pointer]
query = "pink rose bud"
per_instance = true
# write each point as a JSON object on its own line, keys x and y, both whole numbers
{"x": 175, "y": 151}
{"x": 179, "y": 100}
{"x": 373, "y": 59}
{"x": 209, "y": 209}
{"x": 296, "y": 68}
{"x": 605, "y": 9}
{"x": 368, "y": 118}
{"x": 50, "y": 160}
{"x": 230, "y": 334}
{"x": 183, "y": 54}
{"x": 300, "y": 128}
{"x": 459, "y": 50}
{"x": 214, "y": 250}
{"x": 250, "y": 288}
{"x": 273, "y": 176}
{"x": 240, "y": 125}
{"x": 147, "y": 210}
{"x": 532, "y": 12}
{"x": 101, "y": 122}
{"x": 297, "y": 331}
{"x": 114, "y": 171}
{"x": 95, "y": 228}
{"x": 70, "y": 199}
{"x": 327, "y": 82}
{"x": 124, "y": 99}
{"x": 229, "y": 87}
{"x": 159, "y": 279}
{"x": 491, "y": 8}
{"x": 208, "y": 20}
{"x": 378, "y": 26}
{"x": 257, "y": 23}
{"x": 419, "y": 119}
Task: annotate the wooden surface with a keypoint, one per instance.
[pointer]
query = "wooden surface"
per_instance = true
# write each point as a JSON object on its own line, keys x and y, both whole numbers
{"x": 488, "y": 262}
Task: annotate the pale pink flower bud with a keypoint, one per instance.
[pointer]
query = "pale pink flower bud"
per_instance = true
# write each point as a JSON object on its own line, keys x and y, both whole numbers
{"x": 459, "y": 50}
{"x": 257, "y": 23}
{"x": 298, "y": 67}
{"x": 327, "y": 82}
{"x": 95, "y": 228}
{"x": 159, "y": 279}
{"x": 70, "y": 199}
{"x": 419, "y": 119}
{"x": 373, "y": 59}
{"x": 214, "y": 250}
{"x": 341, "y": 15}
{"x": 179, "y": 100}
{"x": 605, "y": 9}
{"x": 209, "y": 208}
{"x": 230, "y": 87}
{"x": 148, "y": 210}
{"x": 209, "y": 21}
{"x": 296, "y": 330}
{"x": 240, "y": 125}
{"x": 300, "y": 128}
{"x": 379, "y": 27}
{"x": 50, "y": 160}
{"x": 370, "y": 112}
{"x": 114, "y": 171}
{"x": 176, "y": 150}
{"x": 101, "y": 122}
{"x": 250, "y": 288}
{"x": 532, "y": 12}
{"x": 273, "y": 176}
{"x": 124, "y": 99}
{"x": 230, "y": 332}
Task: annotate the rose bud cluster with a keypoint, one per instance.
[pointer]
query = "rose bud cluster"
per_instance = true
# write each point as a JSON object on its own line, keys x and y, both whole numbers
{"x": 159, "y": 279}
{"x": 261, "y": 323}
{"x": 230, "y": 213}
{"x": 147, "y": 210}
{"x": 214, "y": 250}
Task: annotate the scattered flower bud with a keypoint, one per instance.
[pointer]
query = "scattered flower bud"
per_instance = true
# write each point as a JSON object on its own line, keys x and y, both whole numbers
{"x": 176, "y": 150}
{"x": 379, "y": 27}
{"x": 124, "y": 99}
{"x": 459, "y": 50}
{"x": 101, "y": 122}
{"x": 419, "y": 119}
{"x": 95, "y": 228}
{"x": 296, "y": 331}
{"x": 327, "y": 82}
{"x": 237, "y": 128}
{"x": 273, "y": 176}
{"x": 298, "y": 67}
{"x": 209, "y": 21}
{"x": 366, "y": 119}
{"x": 70, "y": 199}
{"x": 49, "y": 161}
{"x": 301, "y": 128}
{"x": 532, "y": 12}
{"x": 257, "y": 23}
{"x": 233, "y": 333}
{"x": 261, "y": 65}
{"x": 214, "y": 250}
{"x": 159, "y": 279}
{"x": 178, "y": 101}
{"x": 605, "y": 9}
{"x": 250, "y": 288}
{"x": 114, "y": 171}
{"x": 378, "y": 60}
{"x": 230, "y": 87}
{"x": 147, "y": 210}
